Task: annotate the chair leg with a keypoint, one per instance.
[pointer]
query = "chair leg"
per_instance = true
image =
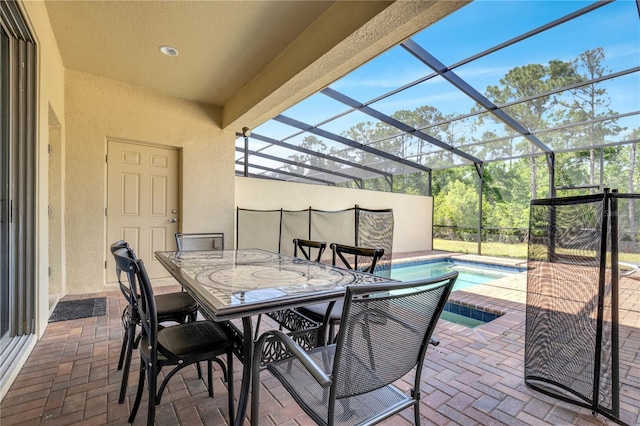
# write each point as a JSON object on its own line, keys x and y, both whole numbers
{"x": 130, "y": 341}
{"x": 127, "y": 324}
{"x": 199, "y": 370}
{"x": 230, "y": 395}
{"x": 165, "y": 381}
{"x": 210, "y": 377}
{"x": 332, "y": 332}
{"x": 193, "y": 317}
{"x": 322, "y": 334}
{"x": 416, "y": 413}
{"x": 257, "y": 333}
{"x": 225, "y": 376}
{"x": 152, "y": 382}
{"x": 136, "y": 404}
{"x": 123, "y": 349}
{"x": 255, "y": 391}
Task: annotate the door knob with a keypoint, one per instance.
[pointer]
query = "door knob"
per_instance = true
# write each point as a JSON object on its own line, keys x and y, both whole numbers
{"x": 173, "y": 220}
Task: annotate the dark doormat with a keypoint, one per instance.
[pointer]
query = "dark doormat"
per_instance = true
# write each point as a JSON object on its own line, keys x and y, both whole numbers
{"x": 74, "y": 309}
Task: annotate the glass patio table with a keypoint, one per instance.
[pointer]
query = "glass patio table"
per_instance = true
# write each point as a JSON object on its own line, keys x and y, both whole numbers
{"x": 236, "y": 284}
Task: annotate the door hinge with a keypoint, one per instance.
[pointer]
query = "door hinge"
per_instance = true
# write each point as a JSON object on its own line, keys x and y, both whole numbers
{"x": 49, "y": 210}
{"x": 105, "y": 264}
{"x": 105, "y": 211}
{"x": 49, "y": 270}
{"x": 49, "y": 149}
{"x": 106, "y": 158}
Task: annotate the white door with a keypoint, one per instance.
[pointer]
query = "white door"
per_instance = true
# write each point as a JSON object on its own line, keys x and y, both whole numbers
{"x": 142, "y": 202}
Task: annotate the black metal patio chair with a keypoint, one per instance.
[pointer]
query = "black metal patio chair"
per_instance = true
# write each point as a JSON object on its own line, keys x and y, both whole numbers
{"x": 199, "y": 241}
{"x": 363, "y": 259}
{"x": 177, "y": 307}
{"x": 179, "y": 346}
{"x": 306, "y": 247}
{"x": 350, "y": 382}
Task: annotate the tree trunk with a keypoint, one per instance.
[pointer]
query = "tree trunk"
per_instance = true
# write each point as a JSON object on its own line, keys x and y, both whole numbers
{"x": 592, "y": 169}
{"x": 533, "y": 178}
{"x": 632, "y": 165}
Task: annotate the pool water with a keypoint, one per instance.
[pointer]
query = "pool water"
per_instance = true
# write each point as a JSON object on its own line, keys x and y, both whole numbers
{"x": 468, "y": 275}
{"x": 460, "y": 319}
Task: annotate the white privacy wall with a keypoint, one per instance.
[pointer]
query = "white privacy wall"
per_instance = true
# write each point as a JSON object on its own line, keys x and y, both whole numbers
{"x": 413, "y": 214}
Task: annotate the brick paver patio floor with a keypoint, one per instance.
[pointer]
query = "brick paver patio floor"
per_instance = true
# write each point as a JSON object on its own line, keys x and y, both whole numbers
{"x": 474, "y": 377}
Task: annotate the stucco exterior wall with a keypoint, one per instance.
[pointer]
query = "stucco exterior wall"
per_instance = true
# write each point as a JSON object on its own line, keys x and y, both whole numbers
{"x": 98, "y": 109}
{"x": 413, "y": 215}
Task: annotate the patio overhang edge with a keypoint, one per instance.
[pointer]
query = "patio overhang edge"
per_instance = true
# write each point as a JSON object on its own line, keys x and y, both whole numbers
{"x": 294, "y": 76}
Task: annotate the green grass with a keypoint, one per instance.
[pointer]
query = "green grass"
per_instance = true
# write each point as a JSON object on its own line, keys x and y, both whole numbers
{"x": 518, "y": 251}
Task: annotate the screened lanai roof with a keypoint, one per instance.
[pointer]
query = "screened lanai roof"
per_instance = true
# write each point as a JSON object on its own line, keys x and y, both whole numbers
{"x": 493, "y": 81}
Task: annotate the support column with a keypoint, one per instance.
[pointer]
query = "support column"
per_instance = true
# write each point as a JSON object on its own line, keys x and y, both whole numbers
{"x": 480, "y": 171}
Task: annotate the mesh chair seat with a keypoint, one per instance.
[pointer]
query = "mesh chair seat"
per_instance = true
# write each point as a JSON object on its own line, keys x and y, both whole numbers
{"x": 201, "y": 340}
{"x": 318, "y": 311}
{"x": 173, "y": 306}
{"x": 353, "y": 410}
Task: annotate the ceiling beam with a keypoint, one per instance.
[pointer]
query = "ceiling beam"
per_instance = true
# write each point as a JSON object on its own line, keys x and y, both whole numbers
{"x": 319, "y": 154}
{"x": 334, "y": 94}
{"x": 416, "y": 50}
{"x": 282, "y": 172}
{"x": 357, "y": 180}
{"x": 341, "y": 139}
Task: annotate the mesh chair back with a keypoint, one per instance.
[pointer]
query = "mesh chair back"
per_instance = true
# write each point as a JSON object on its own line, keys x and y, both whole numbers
{"x": 385, "y": 331}
{"x": 306, "y": 247}
{"x": 359, "y": 258}
{"x": 200, "y": 241}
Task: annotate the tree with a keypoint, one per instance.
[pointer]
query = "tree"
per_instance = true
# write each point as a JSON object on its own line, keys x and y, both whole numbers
{"x": 588, "y": 103}
{"x": 457, "y": 206}
{"x": 312, "y": 143}
{"x": 529, "y": 81}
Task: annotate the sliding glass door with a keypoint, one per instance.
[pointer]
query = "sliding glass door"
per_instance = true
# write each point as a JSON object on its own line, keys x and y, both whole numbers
{"x": 18, "y": 283}
{"x": 4, "y": 195}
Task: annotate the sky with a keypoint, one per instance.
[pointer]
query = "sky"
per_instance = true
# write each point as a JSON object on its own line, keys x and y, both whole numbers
{"x": 474, "y": 28}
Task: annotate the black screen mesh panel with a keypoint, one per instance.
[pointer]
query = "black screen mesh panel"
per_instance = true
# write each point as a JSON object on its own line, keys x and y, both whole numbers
{"x": 295, "y": 224}
{"x": 333, "y": 227}
{"x": 260, "y": 229}
{"x": 582, "y": 301}
{"x": 376, "y": 230}
{"x": 562, "y": 294}
{"x": 274, "y": 230}
{"x": 625, "y": 309}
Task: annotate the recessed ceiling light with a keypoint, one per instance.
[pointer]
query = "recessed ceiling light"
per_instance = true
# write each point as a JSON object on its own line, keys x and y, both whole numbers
{"x": 169, "y": 51}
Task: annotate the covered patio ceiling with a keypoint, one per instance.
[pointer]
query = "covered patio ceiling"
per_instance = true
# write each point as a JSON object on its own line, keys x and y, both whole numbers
{"x": 249, "y": 60}
{"x": 526, "y": 79}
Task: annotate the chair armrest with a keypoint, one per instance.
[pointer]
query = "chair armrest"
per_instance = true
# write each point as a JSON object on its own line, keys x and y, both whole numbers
{"x": 297, "y": 351}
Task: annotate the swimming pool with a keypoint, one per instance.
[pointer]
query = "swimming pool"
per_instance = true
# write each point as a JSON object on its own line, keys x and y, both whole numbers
{"x": 470, "y": 273}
